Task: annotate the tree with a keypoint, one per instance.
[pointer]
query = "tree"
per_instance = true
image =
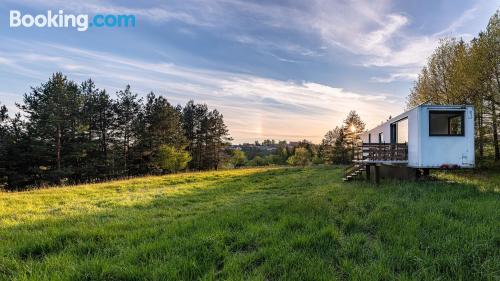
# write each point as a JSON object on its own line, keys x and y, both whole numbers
{"x": 216, "y": 139}
{"x": 104, "y": 122}
{"x": 171, "y": 159}
{"x": 311, "y": 148}
{"x": 195, "y": 125}
{"x": 53, "y": 111}
{"x": 492, "y": 41}
{"x": 302, "y": 157}
{"x": 352, "y": 130}
{"x": 96, "y": 119}
{"x": 17, "y": 165}
{"x": 257, "y": 161}
{"x": 126, "y": 109}
{"x": 158, "y": 123}
{"x": 327, "y": 148}
{"x": 238, "y": 158}
{"x": 340, "y": 148}
{"x": 206, "y": 133}
{"x": 282, "y": 152}
{"x": 70, "y": 133}
{"x": 3, "y": 143}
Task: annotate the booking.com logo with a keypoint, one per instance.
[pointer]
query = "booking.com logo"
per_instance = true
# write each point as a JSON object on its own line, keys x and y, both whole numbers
{"x": 61, "y": 20}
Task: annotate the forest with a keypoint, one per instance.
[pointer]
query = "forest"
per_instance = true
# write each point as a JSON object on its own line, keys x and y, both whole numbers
{"x": 67, "y": 133}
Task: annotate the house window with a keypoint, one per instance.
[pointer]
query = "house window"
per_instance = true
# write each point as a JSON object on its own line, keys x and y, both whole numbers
{"x": 446, "y": 123}
{"x": 369, "y": 138}
{"x": 380, "y": 137}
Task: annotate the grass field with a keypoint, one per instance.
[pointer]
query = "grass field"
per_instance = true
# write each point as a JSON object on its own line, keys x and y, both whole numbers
{"x": 259, "y": 224}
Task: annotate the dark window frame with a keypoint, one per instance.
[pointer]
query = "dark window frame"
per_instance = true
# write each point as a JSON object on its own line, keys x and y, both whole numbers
{"x": 395, "y": 123}
{"x": 447, "y": 112}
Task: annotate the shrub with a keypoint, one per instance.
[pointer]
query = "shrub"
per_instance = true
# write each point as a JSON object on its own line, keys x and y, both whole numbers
{"x": 238, "y": 158}
{"x": 300, "y": 158}
{"x": 171, "y": 159}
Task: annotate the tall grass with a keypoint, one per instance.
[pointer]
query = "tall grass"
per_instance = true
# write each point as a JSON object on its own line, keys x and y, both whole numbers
{"x": 259, "y": 224}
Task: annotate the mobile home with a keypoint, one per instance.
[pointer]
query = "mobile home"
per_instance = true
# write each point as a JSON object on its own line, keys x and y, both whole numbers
{"x": 424, "y": 137}
{"x": 436, "y": 136}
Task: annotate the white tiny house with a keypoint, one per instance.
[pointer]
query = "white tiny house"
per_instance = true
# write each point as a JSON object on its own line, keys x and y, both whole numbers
{"x": 433, "y": 136}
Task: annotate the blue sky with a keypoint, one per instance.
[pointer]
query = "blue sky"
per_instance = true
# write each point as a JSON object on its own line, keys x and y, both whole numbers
{"x": 275, "y": 69}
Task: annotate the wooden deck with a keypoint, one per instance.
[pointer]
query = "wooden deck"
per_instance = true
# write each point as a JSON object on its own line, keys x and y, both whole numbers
{"x": 375, "y": 155}
{"x": 381, "y": 153}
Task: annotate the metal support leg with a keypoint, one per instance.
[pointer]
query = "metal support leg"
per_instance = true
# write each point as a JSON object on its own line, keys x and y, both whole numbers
{"x": 368, "y": 171}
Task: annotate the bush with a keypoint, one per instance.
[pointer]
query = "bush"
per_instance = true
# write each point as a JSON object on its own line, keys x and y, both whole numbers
{"x": 238, "y": 158}
{"x": 171, "y": 159}
{"x": 318, "y": 160}
{"x": 300, "y": 158}
{"x": 257, "y": 161}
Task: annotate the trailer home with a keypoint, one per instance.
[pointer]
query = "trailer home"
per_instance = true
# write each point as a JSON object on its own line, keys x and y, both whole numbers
{"x": 422, "y": 138}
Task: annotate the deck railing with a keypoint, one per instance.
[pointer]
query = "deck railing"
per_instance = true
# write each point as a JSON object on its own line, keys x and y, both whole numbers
{"x": 381, "y": 152}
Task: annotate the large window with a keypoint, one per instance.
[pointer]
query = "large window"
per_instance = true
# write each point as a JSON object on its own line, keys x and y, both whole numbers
{"x": 446, "y": 123}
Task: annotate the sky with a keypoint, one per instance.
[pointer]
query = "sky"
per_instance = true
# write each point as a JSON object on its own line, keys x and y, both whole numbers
{"x": 275, "y": 69}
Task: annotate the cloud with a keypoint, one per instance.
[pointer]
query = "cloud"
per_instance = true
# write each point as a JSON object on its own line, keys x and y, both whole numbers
{"x": 415, "y": 50}
{"x": 254, "y": 107}
{"x": 369, "y": 29}
{"x": 272, "y": 46}
{"x": 466, "y": 16}
{"x": 401, "y": 76}
{"x": 360, "y": 27}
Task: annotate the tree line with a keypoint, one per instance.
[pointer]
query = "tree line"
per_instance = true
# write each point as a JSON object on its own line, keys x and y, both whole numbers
{"x": 301, "y": 153}
{"x": 337, "y": 147}
{"x": 460, "y": 72}
{"x": 68, "y": 133}
{"x": 72, "y": 133}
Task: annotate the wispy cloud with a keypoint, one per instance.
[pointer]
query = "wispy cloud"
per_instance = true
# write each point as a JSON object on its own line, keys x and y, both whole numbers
{"x": 402, "y": 76}
{"x": 370, "y": 29}
{"x": 414, "y": 50}
{"x": 271, "y": 46}
{"x": 267, "y": 107}
{"x": 375, "y": 36}
{"x": 466, "y": 16}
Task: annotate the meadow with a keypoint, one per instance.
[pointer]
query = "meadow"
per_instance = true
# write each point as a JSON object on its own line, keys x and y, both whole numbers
{"x": 255, "y": 224}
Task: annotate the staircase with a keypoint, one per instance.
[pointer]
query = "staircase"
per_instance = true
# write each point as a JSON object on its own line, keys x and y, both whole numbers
{"x": 353, "y": 172}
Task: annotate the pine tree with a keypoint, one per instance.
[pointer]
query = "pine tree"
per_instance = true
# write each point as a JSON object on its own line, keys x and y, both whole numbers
{"x": 206, "y": 133}
{"x": 352, "y": 130}
{"x": 104, "y": 121}
{"x": 53, "y": 113}
{"x": 158, "y": 124}
{"x": 126, "y": 109}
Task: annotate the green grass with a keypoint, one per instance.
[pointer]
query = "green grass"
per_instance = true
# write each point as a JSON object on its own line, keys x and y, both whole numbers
{"x": 259, "y": 224}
